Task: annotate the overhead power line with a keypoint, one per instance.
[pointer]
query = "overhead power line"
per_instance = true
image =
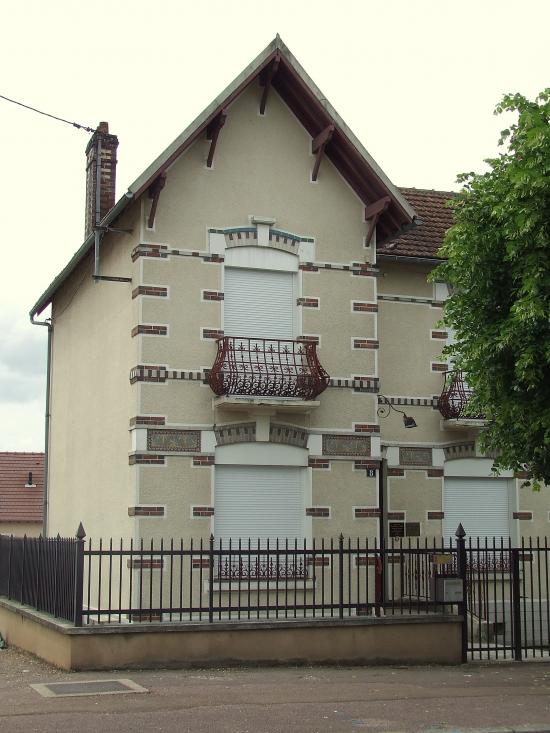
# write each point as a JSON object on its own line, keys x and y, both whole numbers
{"x": 60, "y": 119}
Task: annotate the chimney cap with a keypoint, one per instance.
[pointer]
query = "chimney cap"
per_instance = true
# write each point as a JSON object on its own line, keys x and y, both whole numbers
{"x": 103, "y": 127}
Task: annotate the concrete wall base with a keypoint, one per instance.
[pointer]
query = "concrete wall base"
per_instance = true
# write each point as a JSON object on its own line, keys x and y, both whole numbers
{"x": 393, "y": 639}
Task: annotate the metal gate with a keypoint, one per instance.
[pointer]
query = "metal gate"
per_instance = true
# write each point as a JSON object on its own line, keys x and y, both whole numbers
{"x": 507, "y": 598}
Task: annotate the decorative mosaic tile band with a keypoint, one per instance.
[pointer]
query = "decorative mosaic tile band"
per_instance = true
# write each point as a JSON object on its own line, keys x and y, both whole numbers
{"x": 338, "y": 444}
{"x": 460, "y": 450}
{"x": 411, "y": 299}
{"x": 288, "y": 435}
{"x": 174, "y": 440}
{"x": 235, "y": 433}
{"x": 410, "y": 401}
{"x": 160, "y": 374}
{"x": 415, "y": 456}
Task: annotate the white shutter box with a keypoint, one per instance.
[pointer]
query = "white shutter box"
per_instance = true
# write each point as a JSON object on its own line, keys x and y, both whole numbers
{"x": 259, "y": 303}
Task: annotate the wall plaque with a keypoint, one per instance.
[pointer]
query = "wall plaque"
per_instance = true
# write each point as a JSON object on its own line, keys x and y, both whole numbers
{"x": 188, "y": 441}
{"x": 415, "y": 457}
{"x": 346, "y": 445}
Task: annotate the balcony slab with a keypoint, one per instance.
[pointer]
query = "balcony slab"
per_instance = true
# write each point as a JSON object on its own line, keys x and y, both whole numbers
{"x": 266, "y": 405}
{"x": 462, "y": 423}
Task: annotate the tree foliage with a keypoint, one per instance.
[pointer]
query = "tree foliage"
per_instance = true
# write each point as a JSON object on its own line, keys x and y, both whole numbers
{"x": 498, "y": 266}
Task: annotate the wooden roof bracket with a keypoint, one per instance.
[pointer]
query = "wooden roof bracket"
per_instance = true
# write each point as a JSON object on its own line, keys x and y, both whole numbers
{"x": 268, "y": 78}
{"x": 372, "y": 213}
{"x": 318, "y": 146}
{"x": 154, "y": 193}
{"x": 212, "y": 132}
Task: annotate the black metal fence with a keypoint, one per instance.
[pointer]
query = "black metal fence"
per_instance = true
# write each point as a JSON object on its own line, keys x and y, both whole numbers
{"x": 44, "y": 573}
{"x": 501, "y": 591}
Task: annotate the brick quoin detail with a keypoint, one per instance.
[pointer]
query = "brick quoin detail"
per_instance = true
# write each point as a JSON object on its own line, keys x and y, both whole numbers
{"x": 149, "y": 250}
{"x": 308, "y": 339}
{"x": 145, "y": 564}
{"x": 439, "y": 334}
{"x": 146, "y": 459}
{"x": 365, "y": 464}
{"x": 145, "y": 511}
{"x": 363, "y": 512}
{"x": 366, "y": 428}
{"x": 361, "y": 307}
{"x": 434, "y": 472}
{"x": 361, "y": 268}
{"x": 147, "y": 420}
{"x": 212, "y": 295}
{"x": 203, "y": 511}
{"x": 396, "y": 516}
{"x": 318, "y": 511}
{"x": 150, "y": 290}
{"x": 156, "y": 330}
{"x": 439, "y": 367}
{"x": 319, "y": 562}
{"x": 436, "y": 515}
{"x": 365, "y": 344}
{"x": 318, "y": 463}
{"x": 203, "y": 460}
{"x": 212, "y": 333}
{"x": 198, "y": 562}
{"x": 309, "y": 268}
{"x": 308, "y": 302}
{"x": 396, "y": 472}
{"x": 523, "y": 515}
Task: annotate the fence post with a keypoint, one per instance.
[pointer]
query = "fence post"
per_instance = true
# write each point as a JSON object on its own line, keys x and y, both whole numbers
{"x": 462, "y": 570}
{"x": 211, "y": 580}
{"x": 341, "y": 575}
{"x": 78, "y": 575}
{"x": 23, "y": 568}
{"x": 516, "y": 606}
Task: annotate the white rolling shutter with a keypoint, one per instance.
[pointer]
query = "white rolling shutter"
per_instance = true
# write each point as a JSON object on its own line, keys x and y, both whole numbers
{"x": 482, "y": 505}
{"x": 259, "y": 502}
{"x": 259, "y": 303}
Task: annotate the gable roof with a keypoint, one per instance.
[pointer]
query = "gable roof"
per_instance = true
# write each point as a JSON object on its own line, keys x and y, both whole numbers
{"x": 314, "y": 112}
{"x": 425, "y": 239}
{"x": 18, "y": 503}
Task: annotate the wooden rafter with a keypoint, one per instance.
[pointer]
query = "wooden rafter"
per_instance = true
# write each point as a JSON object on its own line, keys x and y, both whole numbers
{"x": 154, "y": 193}
{"x": 212, "y": 132}
{"x": 372, "y": 213}
{"x": 318, "y": 146}
{"x": 269, "y": 74}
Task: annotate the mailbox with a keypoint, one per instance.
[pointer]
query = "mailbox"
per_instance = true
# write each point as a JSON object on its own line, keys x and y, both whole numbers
{"x": 447, "y": 590}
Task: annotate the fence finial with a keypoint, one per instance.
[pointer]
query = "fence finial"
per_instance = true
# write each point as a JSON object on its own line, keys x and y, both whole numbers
{"x": 460, "y": 532}
{"x": 80, "y": 533}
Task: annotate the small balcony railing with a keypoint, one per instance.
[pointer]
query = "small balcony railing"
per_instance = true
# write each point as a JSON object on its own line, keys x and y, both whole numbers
{"x": 453, "y": 402}
{"x": 267, "y": 368}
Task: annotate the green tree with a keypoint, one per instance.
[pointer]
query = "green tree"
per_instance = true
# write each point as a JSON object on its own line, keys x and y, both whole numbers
{"x": 498, "y": 266}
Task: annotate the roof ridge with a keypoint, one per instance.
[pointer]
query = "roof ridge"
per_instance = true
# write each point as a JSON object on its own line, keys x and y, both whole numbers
{"x": 428, "y": 190}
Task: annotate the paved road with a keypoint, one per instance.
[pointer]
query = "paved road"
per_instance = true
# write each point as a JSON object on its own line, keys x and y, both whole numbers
{"x": 278, "y": 700}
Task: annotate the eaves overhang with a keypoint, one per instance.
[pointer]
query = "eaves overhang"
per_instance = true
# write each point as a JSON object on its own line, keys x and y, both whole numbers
{"x": 315, "y": 113}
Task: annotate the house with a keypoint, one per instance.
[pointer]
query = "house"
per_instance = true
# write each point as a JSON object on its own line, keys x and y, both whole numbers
{"x": 21, "y": 493}
{"x": 233, "y": 343}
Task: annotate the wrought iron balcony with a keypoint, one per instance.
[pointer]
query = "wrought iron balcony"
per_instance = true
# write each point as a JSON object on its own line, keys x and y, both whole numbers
{"x": 267, "y": 368}
{"x": 454, "y": 399}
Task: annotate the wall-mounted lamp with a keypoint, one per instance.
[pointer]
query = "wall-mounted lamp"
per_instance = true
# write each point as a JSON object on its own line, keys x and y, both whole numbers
{"x": 385, "y": 409}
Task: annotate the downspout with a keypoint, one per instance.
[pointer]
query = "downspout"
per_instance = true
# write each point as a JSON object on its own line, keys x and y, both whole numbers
{"x": 49, "y": 326}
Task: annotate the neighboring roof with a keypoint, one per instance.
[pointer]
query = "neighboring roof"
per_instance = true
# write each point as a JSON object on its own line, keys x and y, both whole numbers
{"x": 425, "y": 239}
{"x": 315, "y": 113}
{"x": 17, "y": 502}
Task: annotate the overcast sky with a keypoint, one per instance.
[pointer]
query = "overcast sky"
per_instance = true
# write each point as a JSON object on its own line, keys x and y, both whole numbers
{"x": 417, "y": 81}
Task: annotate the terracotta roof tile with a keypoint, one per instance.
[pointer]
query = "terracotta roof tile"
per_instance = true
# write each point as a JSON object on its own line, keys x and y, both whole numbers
{"x": 18, "y": 503}
{"x": 425, "y": 239}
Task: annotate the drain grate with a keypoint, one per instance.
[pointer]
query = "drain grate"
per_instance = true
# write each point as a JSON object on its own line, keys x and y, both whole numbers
{"x": 88, "y": 687}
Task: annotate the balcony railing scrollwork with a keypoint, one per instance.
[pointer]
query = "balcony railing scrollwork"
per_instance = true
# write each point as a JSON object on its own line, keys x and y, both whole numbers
{"x": 267, "y": 368}
{"x": 454, "y": 400}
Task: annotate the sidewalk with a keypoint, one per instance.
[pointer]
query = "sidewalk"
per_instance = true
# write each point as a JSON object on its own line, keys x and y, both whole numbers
{"x": 493, "y": 697}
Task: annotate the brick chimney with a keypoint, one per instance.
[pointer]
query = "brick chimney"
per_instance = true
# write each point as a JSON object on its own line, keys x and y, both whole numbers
{"x": 107, "y": 144}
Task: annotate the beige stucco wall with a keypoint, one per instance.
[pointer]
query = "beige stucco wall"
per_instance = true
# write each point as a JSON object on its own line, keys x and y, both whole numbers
{"x": 412, "y": 640}
{"x": 91, "y": 397}
{"x": 20, "y": 529}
